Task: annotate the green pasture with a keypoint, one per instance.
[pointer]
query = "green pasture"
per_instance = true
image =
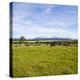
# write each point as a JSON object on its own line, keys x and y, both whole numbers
{"x": 44, "y": 60}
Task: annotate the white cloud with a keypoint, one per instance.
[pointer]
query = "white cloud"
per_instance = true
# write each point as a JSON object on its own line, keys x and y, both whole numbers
{"x": 33, "y": 31}
{"x": 29, "y": 23}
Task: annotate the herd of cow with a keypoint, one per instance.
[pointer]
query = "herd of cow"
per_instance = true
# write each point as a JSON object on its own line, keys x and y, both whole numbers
{"x": 51, "y": 44}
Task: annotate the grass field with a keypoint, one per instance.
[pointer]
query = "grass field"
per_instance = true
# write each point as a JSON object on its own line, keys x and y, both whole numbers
{"x": 44, "y": 60}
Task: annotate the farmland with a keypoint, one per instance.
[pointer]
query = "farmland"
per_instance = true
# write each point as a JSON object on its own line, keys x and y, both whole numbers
{"x": 43, "y": 59}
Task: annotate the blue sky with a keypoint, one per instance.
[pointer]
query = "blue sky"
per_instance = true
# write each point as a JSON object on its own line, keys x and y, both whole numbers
{"x": 33, "y": 20}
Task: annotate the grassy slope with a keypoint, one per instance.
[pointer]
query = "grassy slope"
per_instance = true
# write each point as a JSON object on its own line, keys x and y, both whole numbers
{"x": 44, "y": 60}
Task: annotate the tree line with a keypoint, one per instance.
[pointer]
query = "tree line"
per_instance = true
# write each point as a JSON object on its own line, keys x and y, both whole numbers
{"x": 22, "y": 40}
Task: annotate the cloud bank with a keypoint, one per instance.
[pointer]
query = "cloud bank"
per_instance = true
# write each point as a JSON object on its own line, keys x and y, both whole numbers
{"x": 44, "y": 20}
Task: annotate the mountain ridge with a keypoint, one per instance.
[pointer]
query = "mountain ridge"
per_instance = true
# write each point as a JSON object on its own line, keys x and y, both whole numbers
{"x": 52, "y": 39}
{"x": 55, "y": 38}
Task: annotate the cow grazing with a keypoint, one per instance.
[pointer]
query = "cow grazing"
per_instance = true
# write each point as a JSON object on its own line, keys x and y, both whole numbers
{"x": 52, "y": 44}
{"x": 27, "y": 45}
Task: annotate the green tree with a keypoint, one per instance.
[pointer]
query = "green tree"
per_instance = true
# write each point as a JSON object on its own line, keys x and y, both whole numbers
{"x": 22, "y": 39}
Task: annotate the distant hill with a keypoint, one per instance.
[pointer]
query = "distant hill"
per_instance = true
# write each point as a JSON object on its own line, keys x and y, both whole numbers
{"x": 55, "y": 38}
{"x": 52, "y": 39}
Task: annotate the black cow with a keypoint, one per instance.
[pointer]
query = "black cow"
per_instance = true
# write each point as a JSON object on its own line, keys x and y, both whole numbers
{"x": 52, "y": 44}
{"x": 27, "y": 45}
